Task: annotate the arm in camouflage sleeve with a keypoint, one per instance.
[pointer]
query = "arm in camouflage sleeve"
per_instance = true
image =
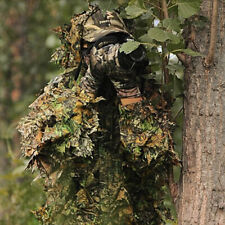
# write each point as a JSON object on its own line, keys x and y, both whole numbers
{"x": 122, "y": 70}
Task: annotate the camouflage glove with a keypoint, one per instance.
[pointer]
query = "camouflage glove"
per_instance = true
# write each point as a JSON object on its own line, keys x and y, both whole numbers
{"x": 120, "y": 68}
{"x": 89, "y": 83}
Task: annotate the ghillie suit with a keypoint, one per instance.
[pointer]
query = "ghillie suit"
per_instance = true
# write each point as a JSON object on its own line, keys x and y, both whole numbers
{"x": 91, "y": 149}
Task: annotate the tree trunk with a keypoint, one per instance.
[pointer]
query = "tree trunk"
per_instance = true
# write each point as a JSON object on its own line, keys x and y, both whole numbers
{"x": 202, "y": 190}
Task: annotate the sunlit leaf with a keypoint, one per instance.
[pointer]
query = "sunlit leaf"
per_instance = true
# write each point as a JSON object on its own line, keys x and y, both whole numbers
{"x": 174, "y": 38}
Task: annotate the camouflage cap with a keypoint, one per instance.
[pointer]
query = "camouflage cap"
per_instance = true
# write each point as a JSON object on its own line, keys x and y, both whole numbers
{"x": 100, "y": 24}
{"x": 89, "y": 25}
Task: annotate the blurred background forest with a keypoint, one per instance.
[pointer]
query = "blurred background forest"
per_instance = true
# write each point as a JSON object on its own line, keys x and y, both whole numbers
{"x": 26, "y": 44}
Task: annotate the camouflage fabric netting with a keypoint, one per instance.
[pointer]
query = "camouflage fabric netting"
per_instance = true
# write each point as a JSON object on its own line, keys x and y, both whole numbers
{"x": 83, "y": 27}
{"x": 74, "y": 140}
{"x": 63, "y": 117}
{"x": 68, "y": 55}
{"x": 145, "y": 135}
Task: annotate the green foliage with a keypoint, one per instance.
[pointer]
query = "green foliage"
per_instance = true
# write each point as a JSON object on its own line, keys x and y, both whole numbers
{"x": 26, "y": 44}
{"x": 172, "y": 24}
{"x": 163, "y": 38}
{"x": 190, "y": 52}
{"x": 134, "y": 11}
{"x": 129, "y": 46}
{"x": 161, "y": 35}
{"x": 19, "y": 195}
{"x": 188, "y": 8}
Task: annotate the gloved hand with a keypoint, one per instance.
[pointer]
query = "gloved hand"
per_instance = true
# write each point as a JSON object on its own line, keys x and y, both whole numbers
{"x": 120, "y": 68}
{"x": 89, "y": 83}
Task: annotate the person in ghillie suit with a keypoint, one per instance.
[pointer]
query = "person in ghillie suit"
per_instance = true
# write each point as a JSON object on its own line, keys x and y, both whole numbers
{"x": 97, "y": 140}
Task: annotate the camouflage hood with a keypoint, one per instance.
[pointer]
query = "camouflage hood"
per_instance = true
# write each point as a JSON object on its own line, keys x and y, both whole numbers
{"x": 89, "y": 26}
{"x": 100, "y": 24}
{"x": 68, "y": 55}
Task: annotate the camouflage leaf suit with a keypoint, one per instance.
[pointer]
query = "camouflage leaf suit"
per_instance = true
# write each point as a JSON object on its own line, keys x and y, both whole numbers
{"x": 101, "y": 146}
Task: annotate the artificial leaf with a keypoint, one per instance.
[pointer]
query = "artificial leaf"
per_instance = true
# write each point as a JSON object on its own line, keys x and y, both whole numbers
{"x": 141, "y": 139}
{"x": 61, "y": 148}
{"x": 121, "y": 195}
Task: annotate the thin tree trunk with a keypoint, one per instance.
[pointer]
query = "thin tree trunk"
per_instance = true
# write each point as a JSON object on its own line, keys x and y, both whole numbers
{"x": 202, "y": 190}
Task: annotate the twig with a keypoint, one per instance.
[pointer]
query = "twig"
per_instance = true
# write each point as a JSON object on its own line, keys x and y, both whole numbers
{"x": 152, "y": 4}
{"x": 210, "y": 57}
{"x": 182, "y": 58}
{"x": 173, "y": 186}
{"x": 174, "y": 190}
{"x": 168, "y": 3}
{"x": 165, "y": 59}
{"x": 165, "y": 9}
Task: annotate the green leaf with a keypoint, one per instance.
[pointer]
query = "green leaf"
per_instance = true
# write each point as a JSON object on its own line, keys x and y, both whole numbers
{"x": 171, "y": 24}
{"x": 178, "y": 87}
{"x": 146, "y": 38}
{"x": 129, "y": 46}
{"x": 162, "y": 36}
{"x": 105, "y": 5}
{"x": 171, "y": 47}
{"x": 187, "y": 8}
{"x": 177, "y": 70}
{"x": 158, "y": 34}
{"x": 177, "y": 107}
{"x": 139, "y": 3}
{"x": 190, "y": 52}
{"x": 134, "y": 11}
{"x": 174, "y": 38}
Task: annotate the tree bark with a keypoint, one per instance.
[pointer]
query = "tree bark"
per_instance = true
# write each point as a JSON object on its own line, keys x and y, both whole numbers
{"x": 202, "y": 187}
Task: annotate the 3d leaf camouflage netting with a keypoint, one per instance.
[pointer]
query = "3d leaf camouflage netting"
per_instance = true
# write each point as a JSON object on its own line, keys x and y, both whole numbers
{"x": 146, "y": 135}
{"x": 91, "y": 154}
{"x": 68, "y": 55}
{"x": 63, "y": 117}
